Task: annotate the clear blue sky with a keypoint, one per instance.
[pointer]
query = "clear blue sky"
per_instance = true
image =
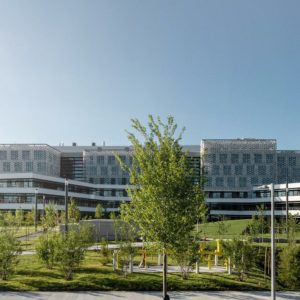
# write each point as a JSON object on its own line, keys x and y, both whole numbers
{"x": 80, "y": 70}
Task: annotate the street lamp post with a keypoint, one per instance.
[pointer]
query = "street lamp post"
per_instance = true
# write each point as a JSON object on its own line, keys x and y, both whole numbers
{"x": 66, "y": 205}
{"x": 273, "y": 274}
{"x": 36, "y": 209}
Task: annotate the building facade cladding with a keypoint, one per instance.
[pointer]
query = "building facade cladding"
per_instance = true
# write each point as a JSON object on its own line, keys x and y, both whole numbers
{"x": 237, "y": 165}
{"x": 35, "y": 158}
{"x": 102, "y": 167}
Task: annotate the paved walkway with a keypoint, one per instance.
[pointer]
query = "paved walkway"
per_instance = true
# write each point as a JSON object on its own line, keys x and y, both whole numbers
{"x": 146, "y": 295}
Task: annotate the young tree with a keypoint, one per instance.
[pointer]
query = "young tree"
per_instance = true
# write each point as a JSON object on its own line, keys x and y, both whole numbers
{"x": 19, "y": 217}
{"x": 74, "y": 213}
{"x": 9, "y": 249}
{"x": 50, "y": 219}
{"x": 165, "y": 202}
{"x": 98, "y": 211}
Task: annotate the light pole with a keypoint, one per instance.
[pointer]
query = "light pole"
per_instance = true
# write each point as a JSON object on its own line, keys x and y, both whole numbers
{"x": 36, "y": 209}
{"x": 273, "y": 274}
{"x": 66, "y": 205}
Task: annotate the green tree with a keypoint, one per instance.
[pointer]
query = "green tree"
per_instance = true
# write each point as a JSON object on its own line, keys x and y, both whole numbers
{"x": 289, "y": 267}
{"x": 242, "y": 255}
{"x": 50, "y": 219}
{"x": 70, "y": 250}
{"x": 45, "y": 249}
{"x": 29, "y": 217}
{"x": 165, "y": 202}
{"x": 98, "y": 211}
{"x": 9, "y": 249}
{"x": 19, "y": 217}
{"x": 9, "y": 219}
{"x": 73, "y": 211}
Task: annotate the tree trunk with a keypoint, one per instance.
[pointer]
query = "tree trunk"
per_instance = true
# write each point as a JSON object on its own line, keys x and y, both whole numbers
{"x": 165, "y": 286}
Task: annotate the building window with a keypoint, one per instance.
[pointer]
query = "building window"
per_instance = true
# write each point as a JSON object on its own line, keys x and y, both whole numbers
{"x": 114, "y": 171}
{"x": 26, "y": 155}
{"x": 113, "y": 180}
{"x": 14, "y": 155}
{"x": 258, "y": 158}
{"x": 93, "y": 171}
{"x": 100, "y": 160}
{"x": 215, "y": 170}
{"x": 250, "y": 170}
{"x": 223, "y": 158}
{"x": 242, "y": 182}
{"x": 269, "y": 158}
{"x": 262, "y": 170}
{"x": 103, "y": 171}
{"x": 208, "y": 182}
{"x": 3, "y": 155}
{"x": 39, "y": 155}
{"x": 18, "y": 167}
{"x": 6, "y": 167}
{"x": 211, "y": 158}
{"x": 227, "y": 170}
{"x": 281, "y": 161}
{"x": 234, "y": 158}
{"x": 41, "y": 167}
{"x": 231, "y": 182}
{"x": 219, "y": 181}
{"x": 246, "y": 158}
{"x": 292, "y": 161}
{"x": 111, "y": 160}
{"x": 239, "y": 170}
{"x": 29, "y": 166}
{"x": 254, "y": 180}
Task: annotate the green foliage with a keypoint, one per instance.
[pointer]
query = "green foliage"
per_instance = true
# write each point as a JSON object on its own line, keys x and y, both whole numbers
{"x": 19, "y": 217}
{"x": 186, "y": 256}
{"x": 9, "y": 249}
{"x": 98, "y": 211}
{"x": 289, "y": 267}
{"x": 165, "y": 203}
{"x": 73, "y": 211}
{"x": 29, "y": 217}
{"x": 50, "y": 219}
{"x": 46, "y": 249}
{"x": 105, "y": 257}
{"x": 242, "y": 255}
{"x": 9, "y": 219}
{"x": 69, "y": 252}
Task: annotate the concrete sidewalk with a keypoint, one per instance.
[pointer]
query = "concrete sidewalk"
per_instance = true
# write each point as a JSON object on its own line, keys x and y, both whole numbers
{"x": 188, "y": 295}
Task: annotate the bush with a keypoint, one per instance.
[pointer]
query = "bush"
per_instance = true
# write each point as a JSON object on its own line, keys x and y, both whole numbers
{"x": 9, "y": 249}
{"x": 105, "y": 253}
{"x": 45, "y": 249}
{"x": 289, "y": 267}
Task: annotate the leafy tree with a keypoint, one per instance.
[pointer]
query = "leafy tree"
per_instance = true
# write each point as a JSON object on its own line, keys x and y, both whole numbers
{"x": 98, "y": 211}
{"x": 165, "y": 202}
{"x": 9, "y": 219}
{"x": 73, "y": 211}
{"x": 222, "y": 227}
{"x": 45, "y": 249}
{"x": 50, "y": 219}
{"x": 19, "y": 217}
{"x": 29, "y": 217}
{"x": 104, "y": 252}
{"x": 70, "y": 250}
{"x": 242, "y": 256}
{"x": 289, "y": 267}
{"x": 186, "y": 256}
{"x": 9, "y": 249}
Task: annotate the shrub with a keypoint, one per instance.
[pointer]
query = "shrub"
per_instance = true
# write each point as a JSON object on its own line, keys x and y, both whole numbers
{"x": 9, "y": 249}
{"x": 289, "y": 267}
{"x": 45, "y": 249}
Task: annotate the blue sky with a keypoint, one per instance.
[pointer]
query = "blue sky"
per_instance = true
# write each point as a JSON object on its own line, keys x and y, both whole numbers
{"x": 78, "y": 71}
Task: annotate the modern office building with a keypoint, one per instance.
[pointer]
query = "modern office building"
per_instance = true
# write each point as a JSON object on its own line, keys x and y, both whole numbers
{"x": 93, "y": 175}
{"x": 235, "y": 172}
{"x": 236, "y": 169}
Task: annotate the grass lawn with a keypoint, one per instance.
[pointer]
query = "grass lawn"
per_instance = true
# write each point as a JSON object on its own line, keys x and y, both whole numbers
{"x": 32, "y": 276}
{"x": 232, "y": 228}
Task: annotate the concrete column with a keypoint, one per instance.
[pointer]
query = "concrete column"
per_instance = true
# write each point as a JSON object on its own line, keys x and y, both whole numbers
{"x": 229, "y": 265}
{"x": 130, "y": 264}
{"x": 216, "y": 259}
